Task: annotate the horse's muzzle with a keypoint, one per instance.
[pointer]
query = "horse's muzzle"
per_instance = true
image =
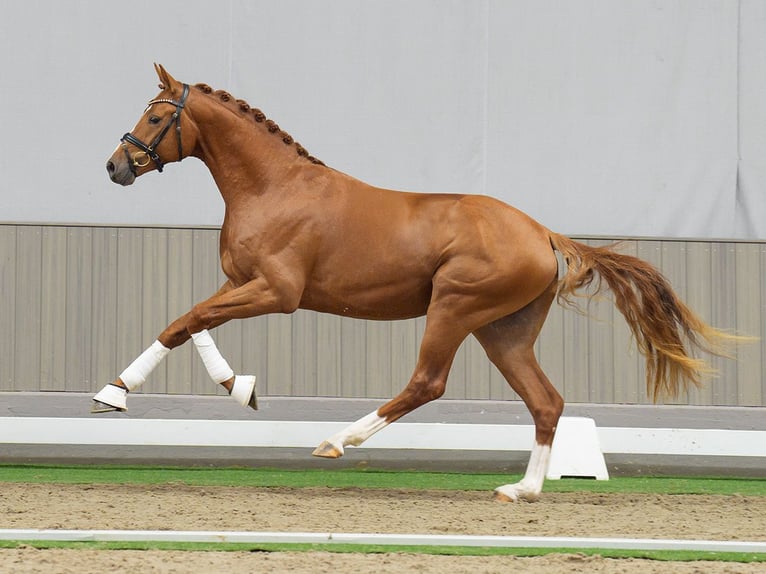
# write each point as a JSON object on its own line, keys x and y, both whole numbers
{"x": 120, "y": 172}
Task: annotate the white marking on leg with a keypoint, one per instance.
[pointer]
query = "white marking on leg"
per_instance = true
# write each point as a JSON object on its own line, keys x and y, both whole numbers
{"x": 137, "y": 372}
{"x": 358, "y": 432}
{"x": 530, "y": 487}
{"x": 217, "y": 367}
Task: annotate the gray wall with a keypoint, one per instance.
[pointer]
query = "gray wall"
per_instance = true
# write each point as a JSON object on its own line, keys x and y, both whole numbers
{"x": 79, "y": 303}
{"x": 598, "y": 117}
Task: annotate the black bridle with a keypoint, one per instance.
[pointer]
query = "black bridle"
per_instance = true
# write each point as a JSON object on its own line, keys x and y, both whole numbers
{"x": 150, "y": 151}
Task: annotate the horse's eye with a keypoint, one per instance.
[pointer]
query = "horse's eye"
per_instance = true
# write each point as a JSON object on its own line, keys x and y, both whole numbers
{"x": 154, "y": 120}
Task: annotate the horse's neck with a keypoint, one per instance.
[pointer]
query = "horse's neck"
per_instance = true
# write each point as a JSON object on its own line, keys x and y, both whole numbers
{"x": 244, "y": 159}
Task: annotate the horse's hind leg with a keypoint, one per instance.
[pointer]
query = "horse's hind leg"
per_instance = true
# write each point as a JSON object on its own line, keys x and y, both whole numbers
{"x": 437, "y": 351}
{"x": 509, "y": 343}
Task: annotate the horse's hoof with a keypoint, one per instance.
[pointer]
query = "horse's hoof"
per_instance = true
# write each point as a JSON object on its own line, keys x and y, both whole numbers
{"x": 327, "y": 450}
{"x": 500, "y": 497}
{"x": 516, "y": 493}
{"x": 111, "y": 398}
{"x": 99, "y": 407}
{"x": 243, "y": 391}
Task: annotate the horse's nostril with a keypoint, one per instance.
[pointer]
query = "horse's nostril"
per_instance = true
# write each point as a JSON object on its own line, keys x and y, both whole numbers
{"x": 110, "y": 167}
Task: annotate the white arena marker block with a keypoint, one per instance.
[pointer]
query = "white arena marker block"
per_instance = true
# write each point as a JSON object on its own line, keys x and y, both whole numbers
{"x": 576, "y": 450}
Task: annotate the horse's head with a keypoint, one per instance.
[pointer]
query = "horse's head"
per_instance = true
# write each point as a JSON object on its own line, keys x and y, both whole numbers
{"x": 151, "y": 144}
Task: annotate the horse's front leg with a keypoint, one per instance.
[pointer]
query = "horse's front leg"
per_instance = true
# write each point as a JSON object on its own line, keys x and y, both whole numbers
{"x": 228, "y": 303}
{"x": 113, "y": 397}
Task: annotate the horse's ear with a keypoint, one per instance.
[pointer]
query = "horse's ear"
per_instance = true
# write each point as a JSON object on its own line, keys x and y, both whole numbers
{"x": 167, "y": 82}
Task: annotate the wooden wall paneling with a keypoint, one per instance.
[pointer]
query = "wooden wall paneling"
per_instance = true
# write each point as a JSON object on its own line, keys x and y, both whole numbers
{"x": 28, "y": 307}
{"x": 255, "y": 351}
{"x": 280, "y": 364}
{"x": 748, "y": 304}
{"x": 180, "y": 254}
{"x": 54, "y": 311}
{"x": 353, "y": 357}
{"x": 154, "y": 296}
{"x": 304, "y": 356}
{"x": 378, "y": 352}
{"x": 129, "y": 340}
{"x": 8, "y": 259}
{"x": 328, "y": 359}
{"x": 762, "y": 315}
{"x": 723, "y": 274}
{"x": 103, "y": 329}
{"x": 79, "y": 292}
{"x": 479, "y": 382}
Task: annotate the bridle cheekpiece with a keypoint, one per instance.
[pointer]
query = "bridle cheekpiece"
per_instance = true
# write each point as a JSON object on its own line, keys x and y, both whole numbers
{"x": 150, "y": 151}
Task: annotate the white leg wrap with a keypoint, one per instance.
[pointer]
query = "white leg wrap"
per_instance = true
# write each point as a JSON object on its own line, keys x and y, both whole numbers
{"x": 113, "y": 396}
{"x": 217, "y": 367}
{"x": 530, "y": 487}
{"x": 135, "y": 375}
{"x": 358, "y": 432}
{"x": 242, "y": 391}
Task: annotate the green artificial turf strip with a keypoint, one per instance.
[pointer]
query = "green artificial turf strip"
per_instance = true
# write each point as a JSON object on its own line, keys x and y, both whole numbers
{"x": 662, "y": 555}
{"x": 367, "y": 479}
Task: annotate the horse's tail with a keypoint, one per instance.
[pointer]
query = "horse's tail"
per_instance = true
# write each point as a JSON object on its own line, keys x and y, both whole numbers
{"x": 667, "y": 332}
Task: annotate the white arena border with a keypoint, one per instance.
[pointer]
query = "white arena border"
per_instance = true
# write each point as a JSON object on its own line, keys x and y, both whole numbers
{"x": 234, "y": 537}
{"x": 306, "y": 434}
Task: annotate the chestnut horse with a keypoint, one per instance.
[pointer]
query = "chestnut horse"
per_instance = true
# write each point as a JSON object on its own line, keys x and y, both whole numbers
{"x": 297, "y": 234}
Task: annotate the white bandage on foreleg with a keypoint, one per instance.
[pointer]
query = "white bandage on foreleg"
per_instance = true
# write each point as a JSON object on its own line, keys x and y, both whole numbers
{"x": 135, "y": 375}
{"x": 217, "y": 367}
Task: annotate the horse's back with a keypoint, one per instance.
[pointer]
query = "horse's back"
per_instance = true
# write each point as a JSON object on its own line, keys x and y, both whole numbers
{"x": 433, "y": 228}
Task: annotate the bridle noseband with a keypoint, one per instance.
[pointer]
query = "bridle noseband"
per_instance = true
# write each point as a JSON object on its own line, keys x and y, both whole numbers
{"x": 150, "y": 151}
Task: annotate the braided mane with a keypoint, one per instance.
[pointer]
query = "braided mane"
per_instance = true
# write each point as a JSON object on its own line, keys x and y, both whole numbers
{"x": 259, "y": 117}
